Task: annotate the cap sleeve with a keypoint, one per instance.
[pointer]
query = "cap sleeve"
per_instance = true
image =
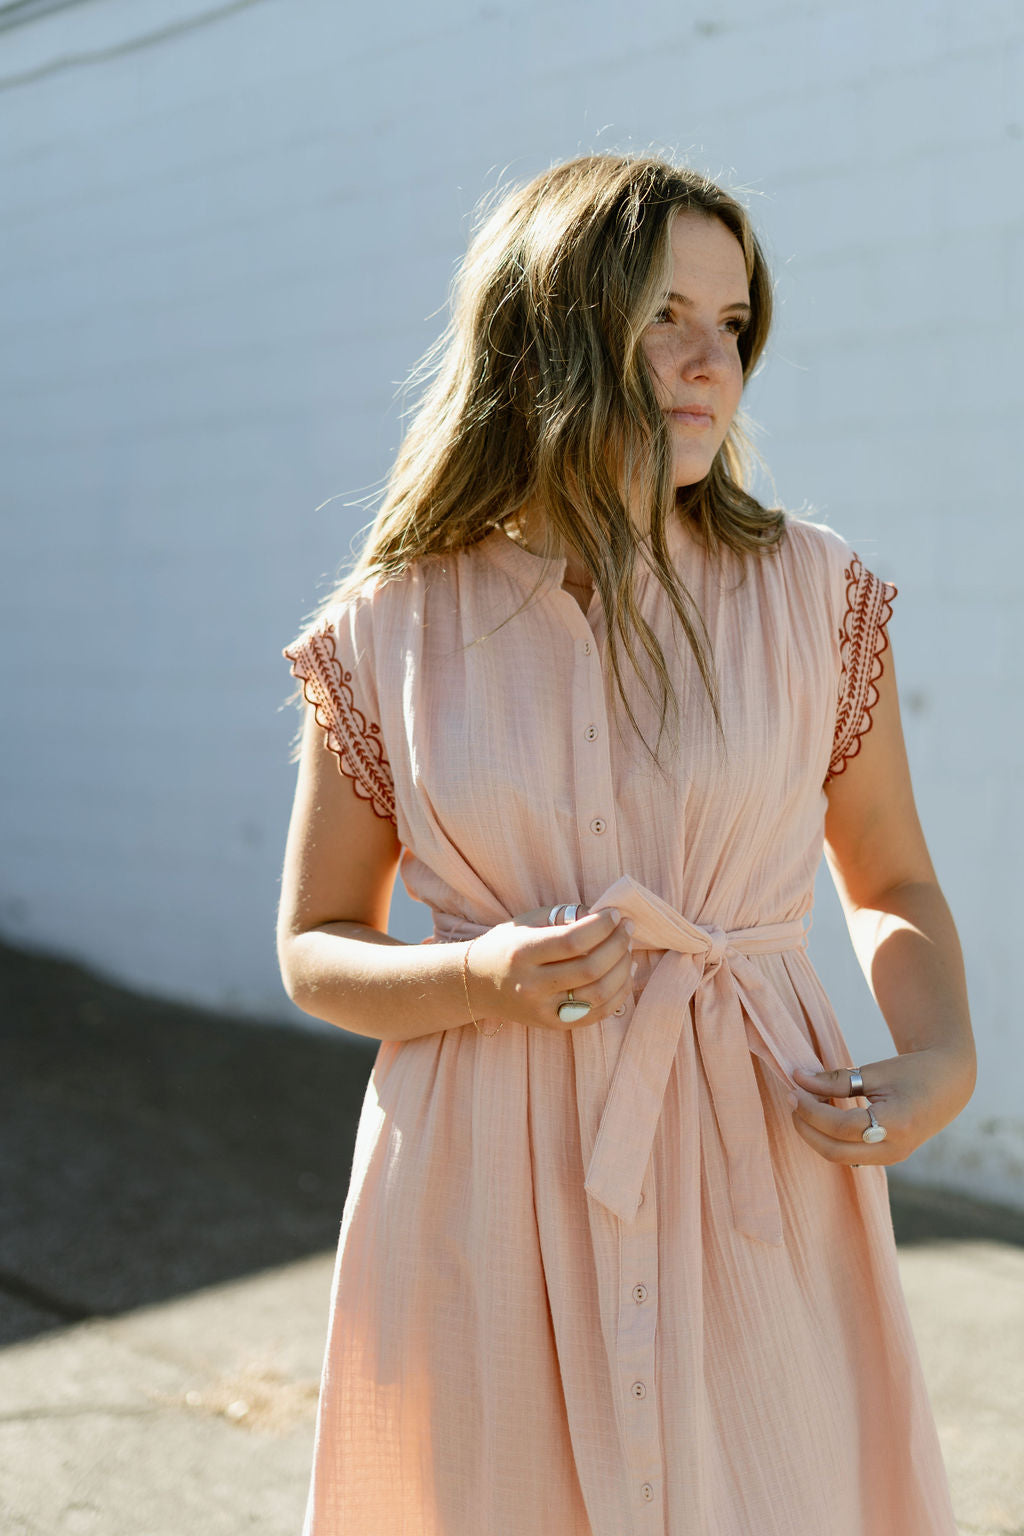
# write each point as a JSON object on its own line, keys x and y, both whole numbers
{"x": 333, "y": 661}
{"x": 866, "y": 608}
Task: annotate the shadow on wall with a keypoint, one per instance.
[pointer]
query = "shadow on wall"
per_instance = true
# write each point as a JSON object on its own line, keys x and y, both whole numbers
{"x": 151, "y": 1149}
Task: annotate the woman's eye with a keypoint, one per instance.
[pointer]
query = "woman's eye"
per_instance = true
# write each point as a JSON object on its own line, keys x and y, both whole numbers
{"x": 737, "y": 325}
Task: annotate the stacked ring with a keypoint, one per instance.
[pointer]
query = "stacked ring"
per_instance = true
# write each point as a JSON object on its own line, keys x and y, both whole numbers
{"x": 573, "y": 1009}
{"x": 873, "y": 1132}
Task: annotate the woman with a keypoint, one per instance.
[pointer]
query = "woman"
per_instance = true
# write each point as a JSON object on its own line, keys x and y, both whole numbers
{"x": 616, "y": 1255}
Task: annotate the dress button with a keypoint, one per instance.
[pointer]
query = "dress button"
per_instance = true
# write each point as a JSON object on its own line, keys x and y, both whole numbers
{"x": 619, "y": 1010}
{"x": 597, "y": 826}
{"x": 641, "y": 1200}
{"x": 591, "y": 733}
{"x": 586, "y": 647}
{"x": 647, "y": 1491}
{"x": 639, "y": 1293}
{"x": 638, "y": 1390}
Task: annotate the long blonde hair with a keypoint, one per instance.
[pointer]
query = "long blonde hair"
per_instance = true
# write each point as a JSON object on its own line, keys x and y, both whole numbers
{"x": 538, "y": 391}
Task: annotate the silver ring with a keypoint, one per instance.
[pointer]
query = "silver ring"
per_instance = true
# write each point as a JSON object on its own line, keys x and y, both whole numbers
{"x": 573, "y": 1009}
{"x": 874, "y": 1132}
{"x": 856, "y": 1083}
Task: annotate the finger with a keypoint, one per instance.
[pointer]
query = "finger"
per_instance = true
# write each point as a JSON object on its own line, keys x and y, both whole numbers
{"x": 615, "y": 990}
{"x": 583, "y": 964}
{"x": 827, "y": 1085}
{"x": 567, "y": 941}
{"x": 842, "y": 1124}
{"x": 852, "y": 1154}
{"x": 593, "y": 977}
{"x": 610, "y": 993}
{"x": 617, "y": 919}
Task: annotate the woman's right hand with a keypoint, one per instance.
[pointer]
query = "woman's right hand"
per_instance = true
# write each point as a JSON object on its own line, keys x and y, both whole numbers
{"x": 523, "y": 969}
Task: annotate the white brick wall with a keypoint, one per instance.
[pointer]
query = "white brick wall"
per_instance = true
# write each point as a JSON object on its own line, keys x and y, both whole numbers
{"x": 224, "y": 245}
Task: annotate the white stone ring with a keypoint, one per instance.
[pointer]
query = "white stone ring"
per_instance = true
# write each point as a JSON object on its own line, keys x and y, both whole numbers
{"x": 872, "y": 1133}
{"x": 574, "y": 1008}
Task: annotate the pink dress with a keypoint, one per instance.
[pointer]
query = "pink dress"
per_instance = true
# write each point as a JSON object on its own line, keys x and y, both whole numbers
{"x": 592, "y": 1282}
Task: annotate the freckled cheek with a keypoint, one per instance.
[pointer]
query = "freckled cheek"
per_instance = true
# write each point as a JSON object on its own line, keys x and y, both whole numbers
{"x": 730, "y": 401}
{"x": 658, "y": 365}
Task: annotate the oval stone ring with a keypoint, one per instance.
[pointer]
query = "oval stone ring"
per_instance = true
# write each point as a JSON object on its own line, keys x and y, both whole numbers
{"x": 872, "y": 1133}
{"x": 573, "y": 1009}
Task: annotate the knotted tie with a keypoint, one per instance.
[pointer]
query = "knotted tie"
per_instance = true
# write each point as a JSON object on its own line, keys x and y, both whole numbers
{"x": 735, "y": 1013}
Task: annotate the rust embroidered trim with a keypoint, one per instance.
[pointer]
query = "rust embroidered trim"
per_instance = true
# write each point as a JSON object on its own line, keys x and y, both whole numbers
{"x": 356, "y": 742}
{"x": 862, "y": 642}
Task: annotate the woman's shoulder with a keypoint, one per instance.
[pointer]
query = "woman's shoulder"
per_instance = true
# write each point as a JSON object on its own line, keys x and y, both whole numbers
{"x": 817, "y": 556}
{"x": 817, "y": 548}
{"x": 812, "y": 540}
{"x": 359, "y": 606}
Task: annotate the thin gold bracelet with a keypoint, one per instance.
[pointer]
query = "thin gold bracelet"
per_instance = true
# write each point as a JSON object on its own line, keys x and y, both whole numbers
{"x": 465, "y": 983}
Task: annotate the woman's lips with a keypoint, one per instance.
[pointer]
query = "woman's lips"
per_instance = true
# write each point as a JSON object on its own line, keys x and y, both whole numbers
{"x": 693, "y": 418}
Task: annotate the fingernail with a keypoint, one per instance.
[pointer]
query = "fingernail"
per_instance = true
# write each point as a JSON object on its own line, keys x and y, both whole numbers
{"x": 630, "y": 925}
{"x": 792, "y": 1101}
{"x": 615, "y": 913}
{"x": 633, "y": 968}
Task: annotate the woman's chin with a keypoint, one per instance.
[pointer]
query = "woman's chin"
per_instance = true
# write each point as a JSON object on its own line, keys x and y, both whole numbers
{"x": 689, "y": 476}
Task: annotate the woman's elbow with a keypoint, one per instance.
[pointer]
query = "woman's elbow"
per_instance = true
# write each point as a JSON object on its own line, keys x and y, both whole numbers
{"x": 294, "y": 975}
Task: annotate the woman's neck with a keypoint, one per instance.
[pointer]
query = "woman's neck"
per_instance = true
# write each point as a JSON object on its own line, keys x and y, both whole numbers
{"x": 527, "y": 526}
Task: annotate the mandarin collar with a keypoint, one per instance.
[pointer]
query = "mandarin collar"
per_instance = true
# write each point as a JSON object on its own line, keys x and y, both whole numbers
{"x": 525, "y": 566}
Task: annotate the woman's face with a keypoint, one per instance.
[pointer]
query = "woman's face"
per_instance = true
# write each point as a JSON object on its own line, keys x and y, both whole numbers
{"x": 692, "y": 343}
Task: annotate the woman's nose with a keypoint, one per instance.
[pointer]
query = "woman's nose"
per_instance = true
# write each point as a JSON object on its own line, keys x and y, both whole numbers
{"x": 705, "y": 355}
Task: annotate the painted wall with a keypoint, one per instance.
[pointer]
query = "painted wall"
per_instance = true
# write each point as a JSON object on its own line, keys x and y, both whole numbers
{"x": 228, "y": 235}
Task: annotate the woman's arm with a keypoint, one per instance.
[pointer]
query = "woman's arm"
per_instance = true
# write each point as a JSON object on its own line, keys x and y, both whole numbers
{"x": 337, "y": 961}
{"x": 907, "y": 945}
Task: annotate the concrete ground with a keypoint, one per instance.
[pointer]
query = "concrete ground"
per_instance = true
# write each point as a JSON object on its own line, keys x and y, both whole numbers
{"x": 172, "y": 1190}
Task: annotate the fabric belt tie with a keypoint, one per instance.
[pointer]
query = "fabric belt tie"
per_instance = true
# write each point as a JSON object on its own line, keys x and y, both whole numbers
{"x": 735, "y": 1013}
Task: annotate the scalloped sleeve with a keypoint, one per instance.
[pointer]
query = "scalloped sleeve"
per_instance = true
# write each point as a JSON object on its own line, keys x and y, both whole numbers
{"x": 863, "y": 640}
{"x": 333, "y": 662}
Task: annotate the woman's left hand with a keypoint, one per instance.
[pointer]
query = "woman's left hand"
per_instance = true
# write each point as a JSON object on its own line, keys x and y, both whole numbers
{"x": 913, "y": 1096}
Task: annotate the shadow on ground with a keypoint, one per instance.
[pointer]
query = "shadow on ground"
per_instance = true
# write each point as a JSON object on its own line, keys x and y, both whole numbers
{"x": 150, "y": 1149}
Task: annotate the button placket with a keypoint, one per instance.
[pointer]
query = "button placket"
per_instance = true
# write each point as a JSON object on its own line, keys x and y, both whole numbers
{"x": 592, "y": 763}
{"x": 635, "y": 1340}
{"x": 633, "y": 1362}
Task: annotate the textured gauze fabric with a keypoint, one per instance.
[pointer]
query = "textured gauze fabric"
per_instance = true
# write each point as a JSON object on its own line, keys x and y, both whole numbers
{"x": 591, "y": 1282}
